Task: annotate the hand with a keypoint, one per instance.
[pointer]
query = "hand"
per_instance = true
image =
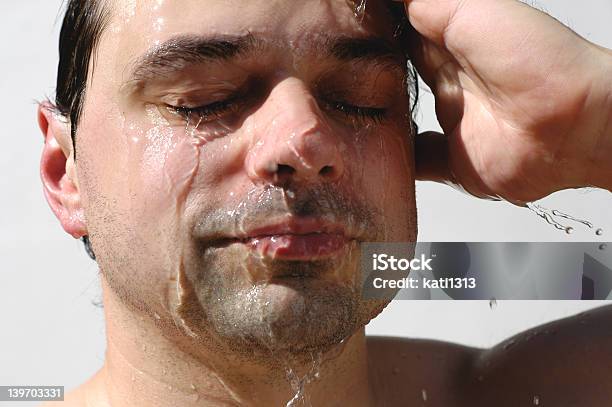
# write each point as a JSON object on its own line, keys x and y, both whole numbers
{"x": 524, "y": 102}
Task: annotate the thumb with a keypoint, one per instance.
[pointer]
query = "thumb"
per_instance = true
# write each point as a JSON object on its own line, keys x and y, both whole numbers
{"x": 431, "y": 18}
{"x": 432, "y": 164}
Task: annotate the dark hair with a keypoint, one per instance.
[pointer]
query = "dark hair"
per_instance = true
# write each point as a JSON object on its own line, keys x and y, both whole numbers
{"x": 406, "y": 34}
{"x": 82, "y": 27}
{"x": 81, "y": 30}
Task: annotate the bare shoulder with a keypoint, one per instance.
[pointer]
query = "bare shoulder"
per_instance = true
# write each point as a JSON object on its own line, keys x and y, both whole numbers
{"x": 565, "y": 363}
{"x": 414, "y": 371}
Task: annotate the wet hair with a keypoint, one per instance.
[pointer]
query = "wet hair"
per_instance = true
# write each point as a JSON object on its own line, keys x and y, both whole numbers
{"x": 81, "y": 30}
{"x": 82, "y": 27}
{"x": 406, "y": 34}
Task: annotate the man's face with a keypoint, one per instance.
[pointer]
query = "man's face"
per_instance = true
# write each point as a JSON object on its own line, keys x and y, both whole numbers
{"x": 240, "y": 219}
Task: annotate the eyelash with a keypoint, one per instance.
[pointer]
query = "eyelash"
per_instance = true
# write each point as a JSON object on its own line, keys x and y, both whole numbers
{"x": 374, "y": 114}
{"x": 215, "y": 110}
{"x": 205, "y": 113}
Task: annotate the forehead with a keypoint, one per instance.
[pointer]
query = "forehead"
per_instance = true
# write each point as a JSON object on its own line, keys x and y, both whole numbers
{"x": 138, "y": 26}
{"x": 154, "y": 18}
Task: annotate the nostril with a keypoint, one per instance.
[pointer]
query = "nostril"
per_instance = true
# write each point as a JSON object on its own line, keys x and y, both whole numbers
{"x": 283, "y": 170}
{"x": 326, "y": 171}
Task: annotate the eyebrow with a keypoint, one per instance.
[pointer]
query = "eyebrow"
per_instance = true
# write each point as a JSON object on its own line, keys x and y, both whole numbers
{"x": 374, "y": 48}
{"x": 177, "y": 53}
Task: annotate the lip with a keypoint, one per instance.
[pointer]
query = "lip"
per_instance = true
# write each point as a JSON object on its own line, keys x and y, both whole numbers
{"x": 311, "y": 246}
{"x": 296, "y": 226}
{"x": 299, "y": 239}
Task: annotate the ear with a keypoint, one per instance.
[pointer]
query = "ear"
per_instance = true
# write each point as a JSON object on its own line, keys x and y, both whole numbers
{"x": 58, "y": 171}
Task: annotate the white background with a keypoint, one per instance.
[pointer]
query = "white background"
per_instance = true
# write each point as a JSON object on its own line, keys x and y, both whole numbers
{"x": 51, "y": 333}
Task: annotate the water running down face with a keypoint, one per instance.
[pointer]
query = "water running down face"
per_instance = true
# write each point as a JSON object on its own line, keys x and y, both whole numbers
{"x": 230, "y": 164}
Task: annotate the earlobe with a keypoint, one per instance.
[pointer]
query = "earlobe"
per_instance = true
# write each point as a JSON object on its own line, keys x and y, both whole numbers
{"x": 58, "y": 172}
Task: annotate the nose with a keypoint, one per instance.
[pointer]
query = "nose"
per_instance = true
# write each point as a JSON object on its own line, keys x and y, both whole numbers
{"x": 292, "y": 141}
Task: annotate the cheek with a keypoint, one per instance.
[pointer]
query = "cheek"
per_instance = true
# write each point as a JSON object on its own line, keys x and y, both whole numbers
{"x": 162, "y": 161}
{"x": 141, "y": 165}
{"x": 138, "y": 173}
{"x": 138, "y": 199}
{"x": 381, "y": 160}
{"x": 383, "y": 170}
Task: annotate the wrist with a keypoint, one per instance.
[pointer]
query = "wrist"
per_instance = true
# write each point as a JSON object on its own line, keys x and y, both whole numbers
{"x": 600, "y": 174}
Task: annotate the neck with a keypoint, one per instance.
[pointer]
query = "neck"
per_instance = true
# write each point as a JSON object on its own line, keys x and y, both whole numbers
{"x": 143, "y": 367}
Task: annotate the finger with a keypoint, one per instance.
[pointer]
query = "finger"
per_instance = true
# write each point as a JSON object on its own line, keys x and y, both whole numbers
{"x": 431, "y": 156}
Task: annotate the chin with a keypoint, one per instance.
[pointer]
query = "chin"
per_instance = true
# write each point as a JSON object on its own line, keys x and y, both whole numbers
{"x": 298, "y": 308}
{"x": 288, "y": 315}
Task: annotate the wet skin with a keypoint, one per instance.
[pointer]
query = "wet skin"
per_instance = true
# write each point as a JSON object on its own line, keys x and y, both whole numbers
{"x": 564, "y": 363}
{"x": 520, "y": 129}
{"x": 228, "y": 167}
{"x": 250, "y": 152}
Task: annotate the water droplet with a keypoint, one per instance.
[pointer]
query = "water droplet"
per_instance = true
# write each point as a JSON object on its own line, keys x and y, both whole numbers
{"x": 509, "y": 344}
{"x": 570, "y": 217}
{"x": 599, "y": 232}
{"x": 603, "y": 246}
{"x": 536, "y": 400}
{"x": 550, "y": 216}
{"x": 492, "y": 303}
{"x": 424, "y": 394}
{"x": 97, "y": 303}
{"x": 360, "y": 10}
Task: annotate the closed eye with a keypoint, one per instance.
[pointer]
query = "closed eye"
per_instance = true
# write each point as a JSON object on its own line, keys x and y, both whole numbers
{"x": 206, "y": 113}
{"x": 373, "y": 114}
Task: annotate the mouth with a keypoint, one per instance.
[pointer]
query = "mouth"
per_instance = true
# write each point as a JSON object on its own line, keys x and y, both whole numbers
{"x": 304, "y": 247}
{"x": 296, "y": 239}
